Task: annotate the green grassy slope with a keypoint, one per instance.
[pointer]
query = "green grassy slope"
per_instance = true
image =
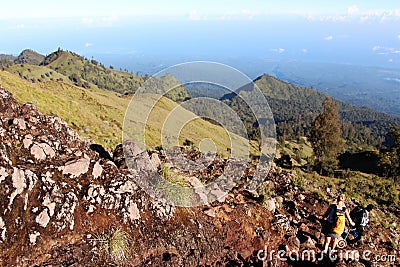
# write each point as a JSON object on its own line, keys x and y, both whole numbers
{"x": 186, "y": 124}
{"x": 95, "y": 114}
{"x": 98, "y": 114}
{"x": 34, "y": 73}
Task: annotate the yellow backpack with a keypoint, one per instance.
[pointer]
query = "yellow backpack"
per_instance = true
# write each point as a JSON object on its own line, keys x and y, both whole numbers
{"x": 339, "y": 222}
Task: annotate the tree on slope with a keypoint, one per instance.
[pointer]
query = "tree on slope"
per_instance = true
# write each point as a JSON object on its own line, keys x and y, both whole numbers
{"x": 325, "y": 137}
{"x": 390, "y": 159}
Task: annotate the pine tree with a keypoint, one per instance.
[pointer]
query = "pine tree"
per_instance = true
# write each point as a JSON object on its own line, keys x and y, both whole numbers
{"x": 390, "y": 159}
{"x": 325, "y": 137}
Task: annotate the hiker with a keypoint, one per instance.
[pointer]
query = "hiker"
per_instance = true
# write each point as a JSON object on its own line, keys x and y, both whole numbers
{"x": 335, "y": 215}
{"x": 360, "y": 217}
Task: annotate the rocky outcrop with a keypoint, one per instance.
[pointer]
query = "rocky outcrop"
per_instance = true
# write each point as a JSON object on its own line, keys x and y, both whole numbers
{"x": 59, "y": 195}
{"x": 53, "y": 186}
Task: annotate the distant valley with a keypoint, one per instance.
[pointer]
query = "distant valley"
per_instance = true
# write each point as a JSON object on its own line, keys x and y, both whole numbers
{"x": 104, "y": 92}
{"x": 374, "y": 87}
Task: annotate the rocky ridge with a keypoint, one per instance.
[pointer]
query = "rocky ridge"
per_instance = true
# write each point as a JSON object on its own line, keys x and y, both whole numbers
{"x": 58, "y": 192}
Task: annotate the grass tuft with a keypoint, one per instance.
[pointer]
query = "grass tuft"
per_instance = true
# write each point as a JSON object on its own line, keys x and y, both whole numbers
{"x": 115, "y": 247}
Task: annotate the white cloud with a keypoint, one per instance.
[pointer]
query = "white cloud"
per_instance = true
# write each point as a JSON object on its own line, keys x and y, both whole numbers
{"x": 278, "y": 50}
{"x": 329, "y": 38}
{"x": 398, "y": 36}
{"x": 110, "y": 19}
{"x": 227, "y": 15}
{"x": 354, "y": 13}
{"x": 87, "y": 20}
{"x": 88, "y": 44}
{"x": 392, "y": 79}
{"x": 376, "y": 48}
{"x": 304, "y": 50}
{"x": 106, "y": 21}
{"x": 381, "y": 50}
{"x": 194, "y": 15}
{"x": 250, "y": 14}
{"x": 17, "y": 26}
{"x": 353, "y": 10}
{"x": 364, "y": 18}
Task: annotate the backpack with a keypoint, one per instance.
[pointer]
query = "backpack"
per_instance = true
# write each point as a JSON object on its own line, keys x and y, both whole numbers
{"x": 339, "y": 221}
{"x": 359, "y": 215}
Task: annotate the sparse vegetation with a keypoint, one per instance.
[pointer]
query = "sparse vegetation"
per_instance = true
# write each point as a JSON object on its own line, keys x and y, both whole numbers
{"x": 99, "y": 114}
{"x": 172, "y": 177}
{"x": 363, "y": 188}
{"x": 114, "y": 247}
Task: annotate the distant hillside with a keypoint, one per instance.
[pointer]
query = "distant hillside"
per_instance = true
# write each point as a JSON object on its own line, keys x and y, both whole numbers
{"x": 377, "y": 88}
{"x": 295, "y": 107}
{"x": 83, "y": 72}
{"x": 35, "y": 73}
{"x": 69, "y": 67}
{"x": 29, "y": 56}
{"x": 98, "y": 114}
{"x": 7, "y": 57}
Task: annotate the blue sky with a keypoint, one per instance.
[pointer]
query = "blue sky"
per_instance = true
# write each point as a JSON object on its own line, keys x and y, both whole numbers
{"x": 356, "y": 32}
{"x": 196, "y": 9}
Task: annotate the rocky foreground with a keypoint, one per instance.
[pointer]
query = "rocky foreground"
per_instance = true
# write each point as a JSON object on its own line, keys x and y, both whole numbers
{"x": 59, "y": 194}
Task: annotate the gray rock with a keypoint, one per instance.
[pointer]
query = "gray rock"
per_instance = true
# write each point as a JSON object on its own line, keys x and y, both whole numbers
{"x": 20, "y": 123}
{"x": 18, "y": 180}
{"x": 48, "y": 150}
{"x": 43, "y": 218}
{"x": 41, "y": 151}
{"x": 3, "y": 229}
{"x": 155, "y": 160}
{"x": 77, "y": 167}
{"x": 38, "y": 152}
{"x": 3, "y": 174}
{"x": 270, "y": 205}
{"x": 133, "y": 212}
{"x": 210, "y": 212}
{"x": 28, "y": 140}
{"x": 130, "y": 149}
{"x": 8, "y": 104}
{"x": 33, "y": 237}
{"x": 97, "y": 170}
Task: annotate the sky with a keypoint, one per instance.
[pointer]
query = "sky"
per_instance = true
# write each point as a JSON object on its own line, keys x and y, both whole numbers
{"x": 352, "y": 32}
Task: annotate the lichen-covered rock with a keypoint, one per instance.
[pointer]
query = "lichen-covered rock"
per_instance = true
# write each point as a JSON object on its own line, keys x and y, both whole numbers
{"x": 97, "y": 170}
{"x": 270, "y": 204}
{"x": 155, "y": 160}
{"x": 8, "y": 104}
{"x": 2, "y": 230}
{"x": 43, "y": 218}
{"x": 77, "y": 167}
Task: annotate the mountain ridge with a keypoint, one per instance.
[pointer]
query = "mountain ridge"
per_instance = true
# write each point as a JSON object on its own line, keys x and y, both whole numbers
{"x": 294, "y": 107}
{"x": 29, "y": 56}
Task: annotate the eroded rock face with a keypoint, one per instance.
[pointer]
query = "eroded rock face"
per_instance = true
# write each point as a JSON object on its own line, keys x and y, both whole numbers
{"x": 53, "y": 185}
{"x": 57, "y": 194}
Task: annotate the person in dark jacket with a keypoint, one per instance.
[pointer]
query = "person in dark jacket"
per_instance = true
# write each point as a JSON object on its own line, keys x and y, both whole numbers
{"x": 360, "y": 217}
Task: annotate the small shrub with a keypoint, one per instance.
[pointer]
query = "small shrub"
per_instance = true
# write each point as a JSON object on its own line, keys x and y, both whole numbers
{"x": 115, "y": 247}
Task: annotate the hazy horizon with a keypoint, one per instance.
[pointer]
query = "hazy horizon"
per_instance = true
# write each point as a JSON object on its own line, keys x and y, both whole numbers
{"x": 347, "y": 32}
